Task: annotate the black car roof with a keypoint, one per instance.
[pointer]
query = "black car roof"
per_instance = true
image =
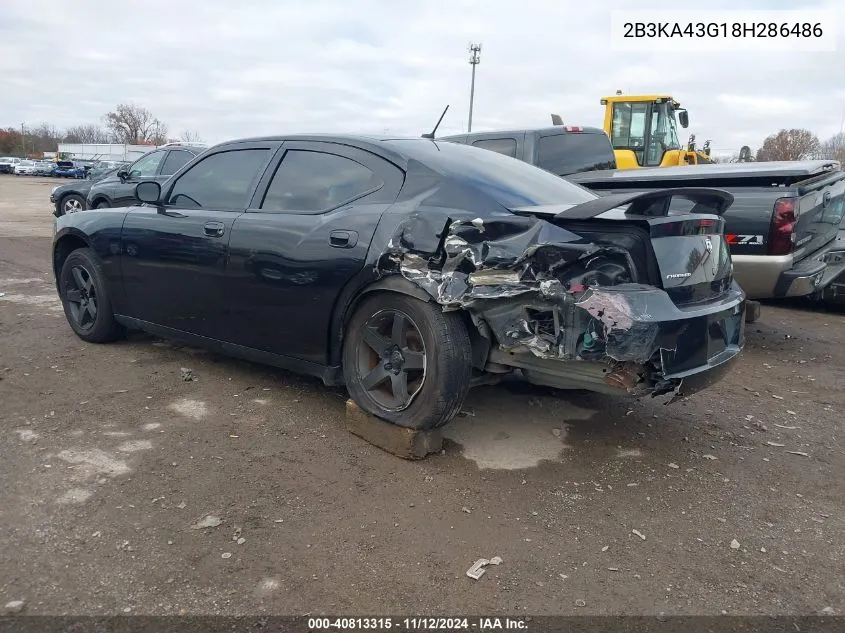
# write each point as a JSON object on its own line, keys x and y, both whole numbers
{"x": 380, "y": 145}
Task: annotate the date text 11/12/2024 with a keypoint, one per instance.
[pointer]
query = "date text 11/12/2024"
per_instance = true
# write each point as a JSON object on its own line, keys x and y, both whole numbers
{"x": 418, "y": 624}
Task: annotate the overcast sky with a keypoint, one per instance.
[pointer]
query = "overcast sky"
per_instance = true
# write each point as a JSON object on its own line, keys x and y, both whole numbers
{"x": 234, "y": 68}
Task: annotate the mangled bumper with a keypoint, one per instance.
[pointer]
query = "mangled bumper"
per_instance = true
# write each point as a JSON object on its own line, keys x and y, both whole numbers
{"x": 528, "y": 288}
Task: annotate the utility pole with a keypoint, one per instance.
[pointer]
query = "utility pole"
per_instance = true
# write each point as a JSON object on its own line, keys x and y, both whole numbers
{"x": 474, "y": 60}
{"x": 23, "y": 142}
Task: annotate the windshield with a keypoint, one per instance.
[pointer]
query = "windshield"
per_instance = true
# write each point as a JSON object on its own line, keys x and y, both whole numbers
{"x": 664, "y": 127}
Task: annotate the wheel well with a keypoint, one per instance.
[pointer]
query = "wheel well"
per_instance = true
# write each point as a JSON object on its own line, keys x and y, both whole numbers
{"x": 64, "y": 247}
{"x": 400, "y": 285}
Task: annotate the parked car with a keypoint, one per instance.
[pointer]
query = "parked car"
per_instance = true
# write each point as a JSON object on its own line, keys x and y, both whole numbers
{"x": 7, "y": 164}
{"x": 118, "y": 189}
{"x": 69, "y": 169}
{"x": 25, "y": 168}
{"x": 781, "y": 228}
{"x": 410, "y": 269}
{"x": 105, "y": 167}
{"x": 45, "y": 168}
{"x": 562, "y": 149}
{"x": 71, "y": 197}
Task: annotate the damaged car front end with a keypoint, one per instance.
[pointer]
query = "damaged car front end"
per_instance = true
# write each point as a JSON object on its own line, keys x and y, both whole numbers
{"x": 617, "y": 295}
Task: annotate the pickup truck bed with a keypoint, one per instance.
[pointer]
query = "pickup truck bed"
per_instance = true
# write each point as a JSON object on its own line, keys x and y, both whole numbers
{"x": 781, "y": 228}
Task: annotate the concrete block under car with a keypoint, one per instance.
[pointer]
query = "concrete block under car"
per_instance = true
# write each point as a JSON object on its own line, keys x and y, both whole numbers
{"x": 397, "y": 440}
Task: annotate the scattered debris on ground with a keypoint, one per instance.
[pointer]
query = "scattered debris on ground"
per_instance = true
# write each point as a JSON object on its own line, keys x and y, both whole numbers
{"x": 478, "y": 568}
{"x": 208, "y": 522}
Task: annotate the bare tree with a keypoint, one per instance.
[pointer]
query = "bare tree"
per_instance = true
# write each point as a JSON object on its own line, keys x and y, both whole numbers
{"x": 834, "y": 148}
{"x": 789, "y": 145}
{"x": 89, "y": 133}
{"x": 42, "y": 138}
{"x": 191, "y": 136}
{"x": 130, "y": 123}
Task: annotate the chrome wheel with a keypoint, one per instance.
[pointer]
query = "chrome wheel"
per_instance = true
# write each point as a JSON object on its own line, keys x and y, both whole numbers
{"x": 81, "y": 296}
{"x": 391, "y": 359}
{"x": 71, "y": 205}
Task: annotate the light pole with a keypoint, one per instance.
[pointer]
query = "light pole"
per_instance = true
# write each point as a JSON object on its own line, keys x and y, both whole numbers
{"x": 474, "y": 60}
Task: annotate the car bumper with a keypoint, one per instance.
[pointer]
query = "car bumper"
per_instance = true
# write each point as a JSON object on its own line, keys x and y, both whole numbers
{"x": 778, "y": 276}
{"x": 814, "y": 273}
{"x": 664, "y": 349}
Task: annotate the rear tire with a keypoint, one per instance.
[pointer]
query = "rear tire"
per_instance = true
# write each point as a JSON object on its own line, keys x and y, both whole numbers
{"x": 406, "y": 361}
{"x": 85, "y": 298}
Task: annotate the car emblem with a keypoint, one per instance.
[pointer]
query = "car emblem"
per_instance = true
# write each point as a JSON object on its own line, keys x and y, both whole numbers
{"x": 708, "y": 245}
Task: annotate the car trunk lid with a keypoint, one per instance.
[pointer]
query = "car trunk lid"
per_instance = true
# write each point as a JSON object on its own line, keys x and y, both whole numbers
{"x": 685, "y": 254}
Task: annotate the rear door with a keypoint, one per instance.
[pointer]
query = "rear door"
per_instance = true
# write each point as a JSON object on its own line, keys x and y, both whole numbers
{"x": 174, "y": 257}
{"x": 304, "y": 237}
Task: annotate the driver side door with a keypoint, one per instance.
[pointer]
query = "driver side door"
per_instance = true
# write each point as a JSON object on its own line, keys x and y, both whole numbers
{"x": 174, "y": 255}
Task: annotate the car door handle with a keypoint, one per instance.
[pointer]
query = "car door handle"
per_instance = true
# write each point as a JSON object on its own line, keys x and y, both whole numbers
{"x": 343, "y": 239}
{"x": 214, "y": 229}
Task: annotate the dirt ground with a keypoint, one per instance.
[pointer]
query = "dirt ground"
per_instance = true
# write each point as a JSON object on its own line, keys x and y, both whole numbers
{"x": 596, "y": 506}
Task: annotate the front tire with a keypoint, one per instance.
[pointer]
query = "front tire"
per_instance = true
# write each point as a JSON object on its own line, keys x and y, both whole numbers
{"x": 85, "y": 298}
{"x": 406, "y": 361}
{"x": 102, "y": 204}
{"x": 72, "y": 203}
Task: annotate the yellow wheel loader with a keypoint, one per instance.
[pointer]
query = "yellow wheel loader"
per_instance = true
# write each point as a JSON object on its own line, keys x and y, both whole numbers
{"x": 644, "y": 132}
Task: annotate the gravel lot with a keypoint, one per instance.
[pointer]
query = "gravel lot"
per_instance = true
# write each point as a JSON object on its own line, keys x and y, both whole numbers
{"x": 596, "y": 506}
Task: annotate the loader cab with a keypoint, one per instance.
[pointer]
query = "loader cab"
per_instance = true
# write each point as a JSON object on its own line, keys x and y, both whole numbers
{"x": 644, "y": 130}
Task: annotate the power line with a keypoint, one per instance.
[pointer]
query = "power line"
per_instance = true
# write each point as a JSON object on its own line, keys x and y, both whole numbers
{"x": 474, "y": 60}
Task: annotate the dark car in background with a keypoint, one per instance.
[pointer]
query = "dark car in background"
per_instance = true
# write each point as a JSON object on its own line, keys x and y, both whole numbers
{"x": 118, "y": 188}
{"x": 69, "y": 169}
{"x": 71, "y": 197}
{"x": 409, "y": 270}
{"x": 561, "y": 150}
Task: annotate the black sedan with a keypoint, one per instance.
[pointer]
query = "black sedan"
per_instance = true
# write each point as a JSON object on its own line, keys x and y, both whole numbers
{"x": 409, "y": 270}
{"x": 118, "y": 188}
{"x": 71, "y": 197}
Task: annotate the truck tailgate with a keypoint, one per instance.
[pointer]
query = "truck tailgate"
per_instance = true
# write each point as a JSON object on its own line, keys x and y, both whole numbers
{"x": 820, "y": 209}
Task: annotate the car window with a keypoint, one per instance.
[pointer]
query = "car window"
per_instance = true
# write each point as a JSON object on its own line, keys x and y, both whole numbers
{"x": 506, "y": 146}
{"x": 146, "y": 166}
{"x": 310, "y": 181}
{"x": 511, "y": 183}
{"x": 220, "y": 181}
{"x": 175, "y": 160}
{"x": 565, "y": 154}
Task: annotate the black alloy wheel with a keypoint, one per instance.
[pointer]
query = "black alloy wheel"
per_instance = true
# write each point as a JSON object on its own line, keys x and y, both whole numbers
{"x": 391, "y": 359}
{"x": 81, "y": 295}
{"x": 406, "y": 361}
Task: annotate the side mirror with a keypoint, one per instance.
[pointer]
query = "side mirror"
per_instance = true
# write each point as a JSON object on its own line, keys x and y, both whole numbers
{"x": 122, "y": 174}
{"x": 683, "y": 118}
{"x": 148, "y": 192}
